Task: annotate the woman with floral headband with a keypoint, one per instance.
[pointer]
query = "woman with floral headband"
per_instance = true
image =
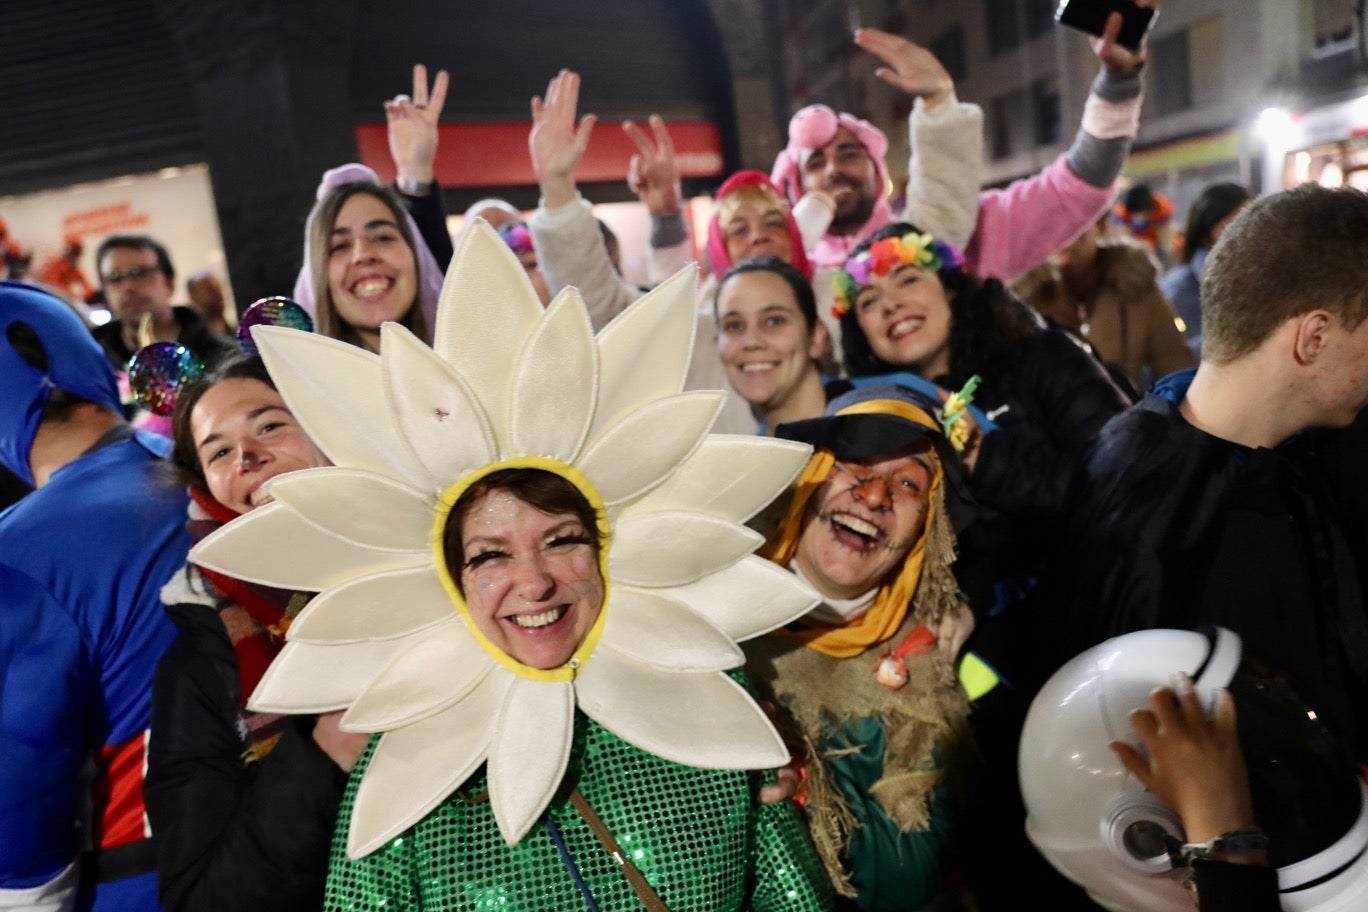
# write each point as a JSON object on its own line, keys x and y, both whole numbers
{"x": 906, "y": 304}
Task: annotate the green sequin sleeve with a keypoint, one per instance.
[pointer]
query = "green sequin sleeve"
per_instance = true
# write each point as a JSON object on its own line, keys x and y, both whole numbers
{"x": 788, "y": 874}
{"x": 378, "y": 881}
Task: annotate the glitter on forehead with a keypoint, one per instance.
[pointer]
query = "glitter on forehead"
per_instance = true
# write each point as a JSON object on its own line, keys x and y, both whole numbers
{"x": 446, "y": 574}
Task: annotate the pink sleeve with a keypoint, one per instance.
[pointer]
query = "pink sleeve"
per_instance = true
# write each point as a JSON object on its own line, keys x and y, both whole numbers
{"x": 1023, "y": 223}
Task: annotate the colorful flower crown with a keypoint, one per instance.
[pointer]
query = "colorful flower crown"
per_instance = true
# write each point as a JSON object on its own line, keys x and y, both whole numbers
{"x": 912, "y": 249}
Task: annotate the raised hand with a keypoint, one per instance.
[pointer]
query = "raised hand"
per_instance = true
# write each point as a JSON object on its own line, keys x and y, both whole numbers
{"x": 557, "y": 142}
{"x": 654, "y": 172}
{"x": 1120, "y": 60}
{"x": 412, "y": 124}
{"x": 909, "y": 67}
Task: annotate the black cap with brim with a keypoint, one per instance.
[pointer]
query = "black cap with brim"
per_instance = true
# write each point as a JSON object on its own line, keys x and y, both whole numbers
{"x": 868, "y": 435}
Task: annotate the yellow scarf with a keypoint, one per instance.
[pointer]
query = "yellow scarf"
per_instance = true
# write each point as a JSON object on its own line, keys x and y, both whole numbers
{"x": 894, "y": 597}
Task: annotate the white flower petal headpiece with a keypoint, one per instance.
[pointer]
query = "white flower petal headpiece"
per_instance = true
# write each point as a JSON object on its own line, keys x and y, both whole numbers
{"x": 391, "y": 640}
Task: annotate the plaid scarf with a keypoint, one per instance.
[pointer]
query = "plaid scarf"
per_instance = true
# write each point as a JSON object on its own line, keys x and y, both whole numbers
{"x": 255, "y": 618}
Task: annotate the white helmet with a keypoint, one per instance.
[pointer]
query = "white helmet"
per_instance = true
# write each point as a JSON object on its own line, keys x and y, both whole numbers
{"x": 1103, "y": 830}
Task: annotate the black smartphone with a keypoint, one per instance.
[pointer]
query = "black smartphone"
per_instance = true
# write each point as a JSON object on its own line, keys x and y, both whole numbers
{"x": 1091, "y": 16}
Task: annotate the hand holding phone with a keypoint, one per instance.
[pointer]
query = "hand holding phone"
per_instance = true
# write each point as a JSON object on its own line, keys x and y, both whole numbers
{"x": 1090, "y": 16}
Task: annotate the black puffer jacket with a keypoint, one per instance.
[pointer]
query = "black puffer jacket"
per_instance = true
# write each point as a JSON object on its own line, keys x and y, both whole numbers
{"x": 231, "y": 835}
{"x": 1049, "y": 405}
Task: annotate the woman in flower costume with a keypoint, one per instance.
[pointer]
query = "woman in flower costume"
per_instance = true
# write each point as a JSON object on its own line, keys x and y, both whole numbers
{"x": 872, "y": 693}
{"x": 490, "y": 770}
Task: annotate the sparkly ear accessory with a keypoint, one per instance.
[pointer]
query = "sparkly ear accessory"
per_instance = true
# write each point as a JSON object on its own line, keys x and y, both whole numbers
{"x": 273, "y": 311}
{"x": 955, "y": 412}
{"x": 390, "y": 638}
{"x": 517, "y": 237}
{"x": 159, "y": 371}
{"x": 882, "y": 256}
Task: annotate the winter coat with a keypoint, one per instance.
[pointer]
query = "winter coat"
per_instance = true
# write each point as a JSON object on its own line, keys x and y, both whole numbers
{"x": 1128, "y": 322}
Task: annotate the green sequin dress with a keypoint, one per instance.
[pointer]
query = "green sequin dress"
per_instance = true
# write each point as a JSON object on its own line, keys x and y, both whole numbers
{"x": 698, "y": 836}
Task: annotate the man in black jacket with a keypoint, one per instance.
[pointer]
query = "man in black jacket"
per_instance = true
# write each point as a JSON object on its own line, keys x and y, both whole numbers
{"x": 1202, "y": 504}
{"x": 138, "y": 281}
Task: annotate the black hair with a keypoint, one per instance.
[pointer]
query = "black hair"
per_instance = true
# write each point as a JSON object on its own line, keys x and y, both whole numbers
{"x": 986, "y": 322}
{"x": 1138, "y": 198}
{"x": 1211, "y": 208}
{"x": 137, "y": 242}
{"x": 803, "y": 294}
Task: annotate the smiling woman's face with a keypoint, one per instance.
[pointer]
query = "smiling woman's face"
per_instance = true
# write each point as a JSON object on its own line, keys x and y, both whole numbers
{"x": 763, "y": 339}
{"x": 530, "y": 579}
{"x": 372, "y": 273}
{"x": 244, "y": 436}
{"x": 906, "y": 317}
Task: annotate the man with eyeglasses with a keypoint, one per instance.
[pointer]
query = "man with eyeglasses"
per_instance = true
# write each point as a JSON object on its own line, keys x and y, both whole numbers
{"x": 138, "y": 281}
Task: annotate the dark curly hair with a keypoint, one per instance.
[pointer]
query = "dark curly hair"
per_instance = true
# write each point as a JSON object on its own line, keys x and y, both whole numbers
{"x": 986, "y": 322}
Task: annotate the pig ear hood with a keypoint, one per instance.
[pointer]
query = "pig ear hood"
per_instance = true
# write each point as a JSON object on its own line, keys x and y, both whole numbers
{"x": 815, "y": 126}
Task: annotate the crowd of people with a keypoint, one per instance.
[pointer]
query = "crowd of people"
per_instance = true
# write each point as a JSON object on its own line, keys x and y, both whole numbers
{"x": 516, "y": 585}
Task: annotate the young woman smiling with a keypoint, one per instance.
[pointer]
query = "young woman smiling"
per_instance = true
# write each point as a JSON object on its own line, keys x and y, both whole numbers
{"x": 906, "y": 304}
{"x": 769, "y": 340}
{"x": 364, "y": 261}
{"x": 243, "y": 803}
{"x": 370, "y": 254}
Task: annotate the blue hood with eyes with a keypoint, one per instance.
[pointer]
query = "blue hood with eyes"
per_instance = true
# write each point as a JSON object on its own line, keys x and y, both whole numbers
{"x": 76, "y": 363}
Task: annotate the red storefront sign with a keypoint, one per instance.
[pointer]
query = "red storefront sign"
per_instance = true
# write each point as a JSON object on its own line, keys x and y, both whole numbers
{"x": 495, "y": 154}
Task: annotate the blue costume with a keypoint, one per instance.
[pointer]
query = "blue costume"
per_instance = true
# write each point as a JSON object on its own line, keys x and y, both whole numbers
{"x": 82, "y": 562}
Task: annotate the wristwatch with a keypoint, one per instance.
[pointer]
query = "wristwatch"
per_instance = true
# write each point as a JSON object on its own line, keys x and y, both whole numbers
{"x": 413, "y": 188}
{"x": 1245, "y": 839}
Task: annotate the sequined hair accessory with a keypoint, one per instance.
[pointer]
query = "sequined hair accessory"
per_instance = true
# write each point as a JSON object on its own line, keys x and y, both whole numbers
{"x": 881, "y": 257}
{"x": 517, "y": 237}
{"x": 159, "y": 371}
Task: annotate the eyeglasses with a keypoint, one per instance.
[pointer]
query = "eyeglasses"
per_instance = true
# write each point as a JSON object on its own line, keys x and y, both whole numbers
{"x": 115, "y": 276}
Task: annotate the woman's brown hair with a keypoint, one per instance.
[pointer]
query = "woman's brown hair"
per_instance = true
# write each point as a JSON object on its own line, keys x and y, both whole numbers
{"x": 321, "y": 221}
{"x": 545, "y": 491}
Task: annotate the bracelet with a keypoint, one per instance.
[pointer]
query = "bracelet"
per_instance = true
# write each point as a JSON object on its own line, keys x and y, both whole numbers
{"x": 1245, "y": 839}
{"x": 413, "y": 188}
